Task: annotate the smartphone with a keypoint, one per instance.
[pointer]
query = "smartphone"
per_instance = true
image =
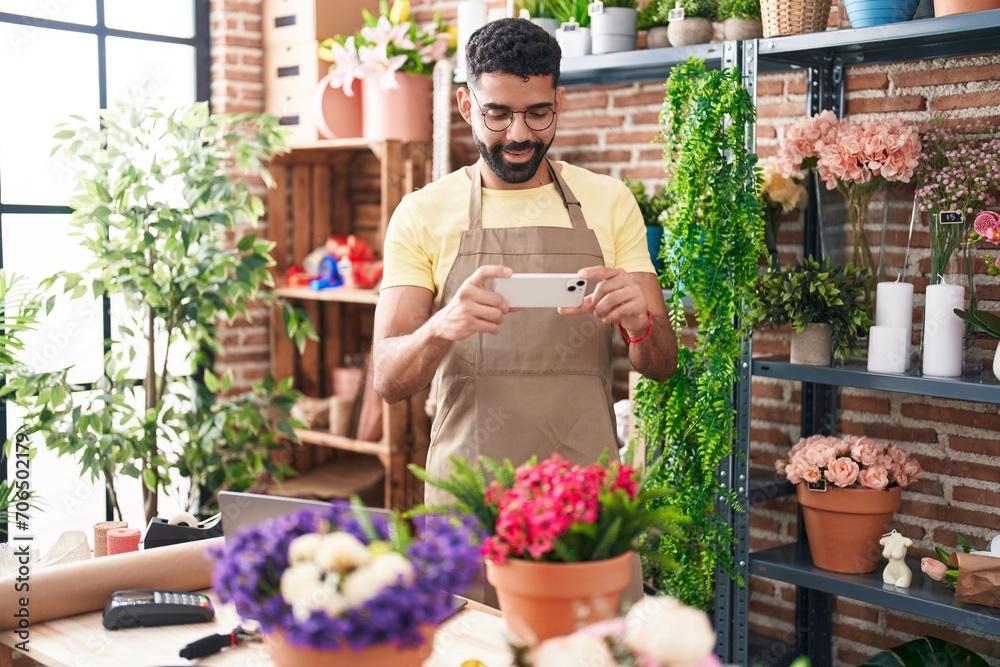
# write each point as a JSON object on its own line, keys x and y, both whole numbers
{"x": 147, "y": 609}
{"x": 542, "y": 290}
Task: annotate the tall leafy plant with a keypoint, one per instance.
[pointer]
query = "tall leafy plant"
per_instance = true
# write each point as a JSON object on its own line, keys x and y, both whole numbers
{"x": 166, "y": 222}
{"x": 713, "y": 241}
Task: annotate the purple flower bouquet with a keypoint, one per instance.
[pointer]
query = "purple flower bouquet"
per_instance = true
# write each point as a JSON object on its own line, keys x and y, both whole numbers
{"x": 334, "y": 578}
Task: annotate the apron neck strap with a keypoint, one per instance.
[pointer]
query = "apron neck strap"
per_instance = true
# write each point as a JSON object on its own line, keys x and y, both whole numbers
{"x": 570, "y": 201}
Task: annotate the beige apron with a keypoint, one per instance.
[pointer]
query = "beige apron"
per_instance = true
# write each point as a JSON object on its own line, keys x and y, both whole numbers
{"x": 542, "y": 384}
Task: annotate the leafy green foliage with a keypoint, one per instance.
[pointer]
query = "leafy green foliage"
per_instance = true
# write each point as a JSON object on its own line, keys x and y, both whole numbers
{"x": 163, "y": 217}
{"x": 537, "y": 9}
{"x": 657, "y": 10}
{"x": 651, "y": 15}
{"x": 988, "y": 322}
{"x": 815, "y": 292}
{"x": 565, "y": 11}
{"x": 623, "y": 4}
{"x": 927, "y": 652}
{"x": 713, "y": 239}
{"x": 740, "y": 9}
{"x": 651, "y": 205}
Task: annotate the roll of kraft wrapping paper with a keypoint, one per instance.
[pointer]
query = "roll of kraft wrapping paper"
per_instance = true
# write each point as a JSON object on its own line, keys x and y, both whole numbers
{"x": 77, "y": 588}
{"x": 123, "y": 540}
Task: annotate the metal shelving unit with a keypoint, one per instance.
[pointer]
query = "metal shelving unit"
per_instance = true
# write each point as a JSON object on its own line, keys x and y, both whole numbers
{"x": 825, "y": 56}
{"x": 632, "y": 66}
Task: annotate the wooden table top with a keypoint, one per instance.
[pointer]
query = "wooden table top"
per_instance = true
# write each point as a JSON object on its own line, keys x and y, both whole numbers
{"x": 476, "y": 633}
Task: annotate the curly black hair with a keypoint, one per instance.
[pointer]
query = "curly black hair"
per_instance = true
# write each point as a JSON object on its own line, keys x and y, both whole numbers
{"x": 512, "y": 46}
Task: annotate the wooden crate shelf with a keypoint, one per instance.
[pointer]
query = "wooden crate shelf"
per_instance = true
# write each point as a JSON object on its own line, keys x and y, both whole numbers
{"x": 342, "y": 187}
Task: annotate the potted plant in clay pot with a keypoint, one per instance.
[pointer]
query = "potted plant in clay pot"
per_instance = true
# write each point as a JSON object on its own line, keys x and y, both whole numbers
{"x": 613, "y": 26}
{"x": 741, "y": 19}
{"x": 823, "y": 303}
{"x": 561, "y": 537}
{"x": 653, "y": 19}
{"x": 539, "y": 12}
{"x": 695, "y": 26}
{"x": 849, "y": 488}
{"x": 573, "y": 33}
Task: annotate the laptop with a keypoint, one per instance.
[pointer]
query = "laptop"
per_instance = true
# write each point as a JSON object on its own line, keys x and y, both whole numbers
{"x": 240, "y": 509}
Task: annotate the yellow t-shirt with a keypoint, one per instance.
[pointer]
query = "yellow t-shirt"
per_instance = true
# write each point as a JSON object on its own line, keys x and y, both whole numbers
{"x": 424, "y": 232}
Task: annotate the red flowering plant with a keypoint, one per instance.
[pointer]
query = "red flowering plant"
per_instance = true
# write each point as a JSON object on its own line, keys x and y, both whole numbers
{"x": 849, "y": 462}
{"x": 556, "y": 511}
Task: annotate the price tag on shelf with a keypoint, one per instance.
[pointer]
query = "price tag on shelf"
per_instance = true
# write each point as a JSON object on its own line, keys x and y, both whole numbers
{"x": 595, "y": 8}
{"x": 676, "y": 14}
{"x": 817, "y": 486}
{"x": 951, "y": 217}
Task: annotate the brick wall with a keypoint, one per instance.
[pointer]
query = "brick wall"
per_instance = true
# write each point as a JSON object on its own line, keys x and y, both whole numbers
{"x": 237, "y": 87}
{"x": 610, "y": 129}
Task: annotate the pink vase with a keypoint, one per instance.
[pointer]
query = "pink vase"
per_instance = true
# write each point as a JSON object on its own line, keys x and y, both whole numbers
{"x": 335, "y": 115}
{"x": 403, "y": 113}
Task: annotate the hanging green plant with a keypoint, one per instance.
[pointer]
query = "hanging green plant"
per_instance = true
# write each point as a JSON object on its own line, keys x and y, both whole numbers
{"x": 713, "y": 241}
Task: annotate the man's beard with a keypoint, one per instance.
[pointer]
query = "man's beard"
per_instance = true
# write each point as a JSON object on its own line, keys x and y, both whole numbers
{"x": 506, "y": 171}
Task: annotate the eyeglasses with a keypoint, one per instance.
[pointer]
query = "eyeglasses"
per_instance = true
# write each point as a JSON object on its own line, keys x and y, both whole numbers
{"x": 500, "y": 118}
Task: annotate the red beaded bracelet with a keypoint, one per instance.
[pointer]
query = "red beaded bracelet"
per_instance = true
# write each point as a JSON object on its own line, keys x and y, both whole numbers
{"x": 649, "y": 330}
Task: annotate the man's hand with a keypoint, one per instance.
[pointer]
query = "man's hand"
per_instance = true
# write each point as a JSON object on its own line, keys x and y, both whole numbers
{"x": 474, "y": 309}
{"x": 617, "y": 299}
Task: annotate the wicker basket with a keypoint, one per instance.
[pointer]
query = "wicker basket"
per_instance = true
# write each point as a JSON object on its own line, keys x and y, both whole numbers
{"x": 794, "y": 17}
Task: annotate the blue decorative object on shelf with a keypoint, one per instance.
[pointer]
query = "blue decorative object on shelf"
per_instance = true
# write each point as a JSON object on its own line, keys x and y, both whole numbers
{"x": 654, "y": 241}
{"x": 864, "y": 13}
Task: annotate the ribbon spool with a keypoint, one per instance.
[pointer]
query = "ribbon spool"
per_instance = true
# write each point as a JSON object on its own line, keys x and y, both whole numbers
{"x": 123, "y": 540}
{"x": 101, "y": 535}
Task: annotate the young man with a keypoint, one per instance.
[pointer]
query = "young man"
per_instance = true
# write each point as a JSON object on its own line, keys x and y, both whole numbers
{"x": 515, "y": 383}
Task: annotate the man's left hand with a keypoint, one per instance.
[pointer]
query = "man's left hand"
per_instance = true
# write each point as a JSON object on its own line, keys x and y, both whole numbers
{"x": 617, "y": 299}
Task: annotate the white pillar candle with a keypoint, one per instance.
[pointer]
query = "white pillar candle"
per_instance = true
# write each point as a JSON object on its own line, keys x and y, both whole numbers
{"x": 888, "y": 349}
{"x": 471, "y": 17}
{"x": 894, "y": 308}
{"x": 943, "y": 330}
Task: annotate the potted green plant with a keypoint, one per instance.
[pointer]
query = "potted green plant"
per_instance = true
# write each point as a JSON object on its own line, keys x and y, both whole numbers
{"x": 713, "y": 242}
{"x": 166, "y": 222}
{"x": 614, "y": 27}
{"x": 824, "y": 303}
{"x": 539, "y": 12}
{"x": 741, "y": 19}
{"x": 653, "y": 19}
{"x": 695, "y": 27}
{"x": 651, "y": 205}
{"x": 573, "y": 33}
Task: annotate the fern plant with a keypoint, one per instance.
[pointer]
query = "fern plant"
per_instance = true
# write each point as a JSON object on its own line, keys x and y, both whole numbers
{"x": 713, "y": 240}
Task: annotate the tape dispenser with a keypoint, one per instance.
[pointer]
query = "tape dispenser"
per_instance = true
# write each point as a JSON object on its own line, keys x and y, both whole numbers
{"x": 182, "y": 527}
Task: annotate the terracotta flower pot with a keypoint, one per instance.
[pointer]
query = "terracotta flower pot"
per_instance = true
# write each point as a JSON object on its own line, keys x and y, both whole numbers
{"x": 543, "y": 600}
{"x": 946, "y": 7}
{"x": 402, "y": 113}
{"x": 336, "y": 115}
{"x": 844, "y": 525}
{"x": 285, "y": 654}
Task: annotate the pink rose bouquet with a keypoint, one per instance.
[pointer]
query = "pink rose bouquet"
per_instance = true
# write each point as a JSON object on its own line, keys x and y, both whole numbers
{"x": 855, "y": 158}
{"x": 849, "y": 462}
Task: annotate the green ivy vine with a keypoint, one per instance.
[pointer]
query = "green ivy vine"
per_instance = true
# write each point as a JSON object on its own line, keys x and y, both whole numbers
{"x": 713, "y": 241}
